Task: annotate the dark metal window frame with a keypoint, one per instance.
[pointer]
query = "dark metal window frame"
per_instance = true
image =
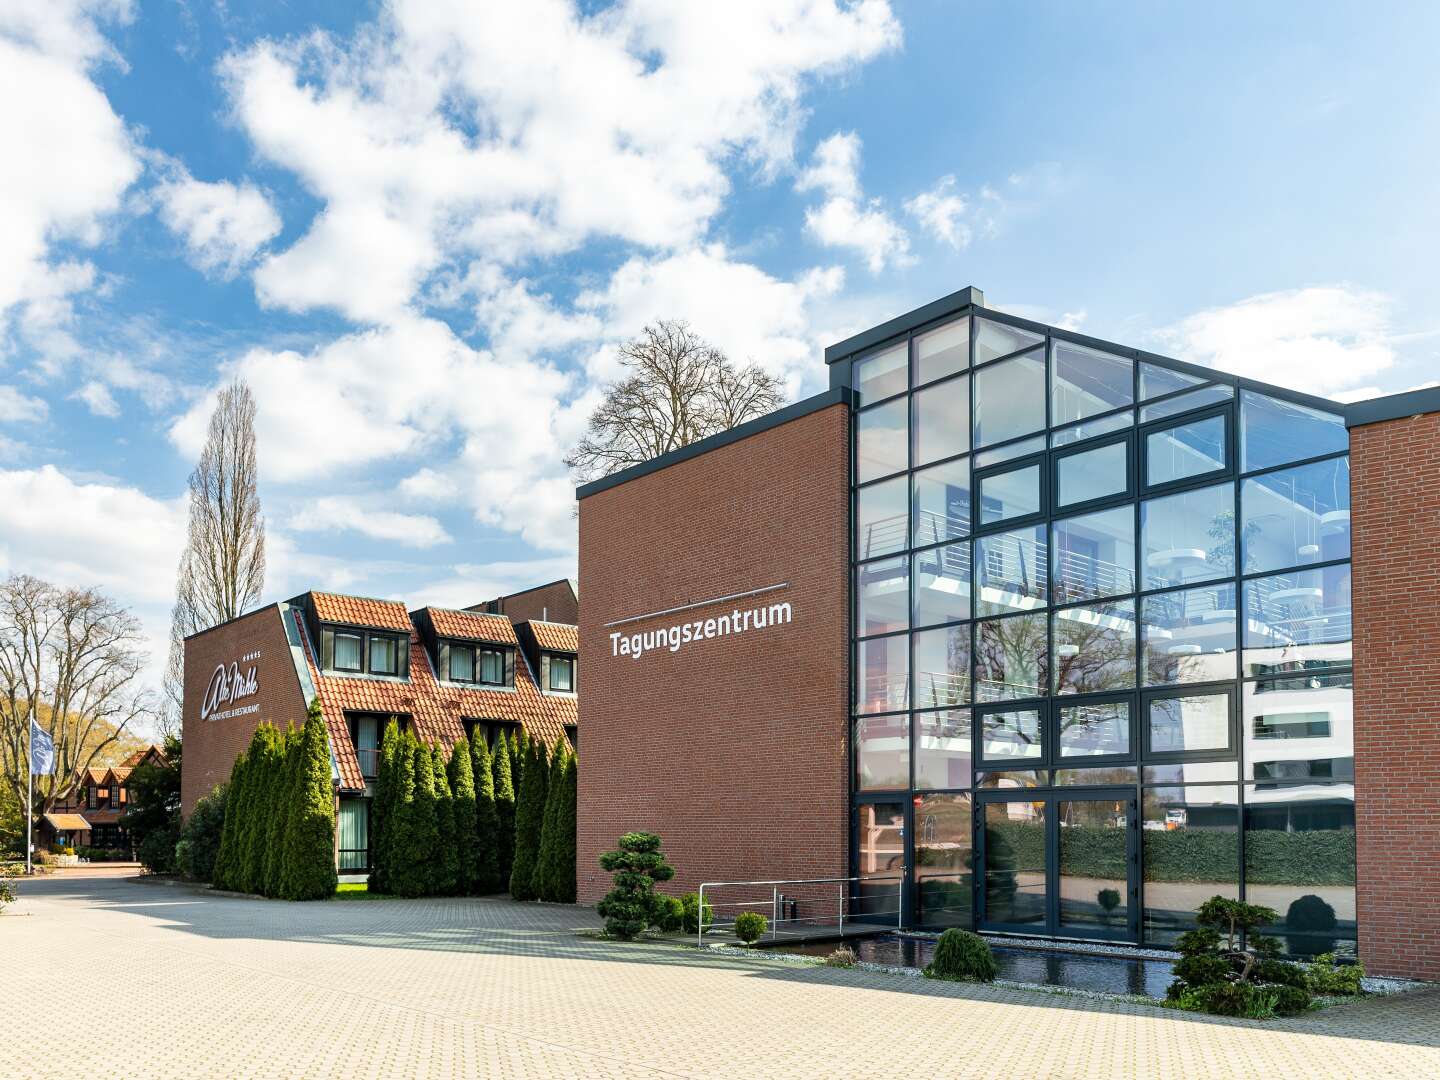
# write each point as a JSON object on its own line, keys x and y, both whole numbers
{"x": 1225, "y": 412}
{"x": 1099, "y": 502}
{"x": 569, "y": 662}
{"x": 476, "y": 649}
{"x": 364, "y": 634}
{"x": 1213, "y": 689}
{"x": 978, "y": 525}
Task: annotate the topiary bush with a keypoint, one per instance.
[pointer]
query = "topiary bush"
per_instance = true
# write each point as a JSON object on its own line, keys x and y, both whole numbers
{"x": 750, "y": 926}
{"x": 637, "y": 864}
{"x": 962, "y": 957}
{"x": 1218, "y": 974}
{"x": 691, "y": 903}
{"x": 1324, "y": 976}
{"x": 669, "y": 914}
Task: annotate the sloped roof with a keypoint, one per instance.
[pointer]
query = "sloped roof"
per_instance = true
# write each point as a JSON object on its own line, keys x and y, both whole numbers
{"x": 472, "y": 626}
{"x": 557, "y": 637}
{"x": 361, "y": 611}
{"x": 139, "y": 755}
{"x": 67, "y": 822}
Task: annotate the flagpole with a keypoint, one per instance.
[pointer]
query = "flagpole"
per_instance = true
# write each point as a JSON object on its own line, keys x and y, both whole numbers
{"x": 29, "y": 792}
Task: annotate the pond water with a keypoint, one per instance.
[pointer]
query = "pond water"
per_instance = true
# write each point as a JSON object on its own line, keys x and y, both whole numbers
{"x": 1047, "y": 967}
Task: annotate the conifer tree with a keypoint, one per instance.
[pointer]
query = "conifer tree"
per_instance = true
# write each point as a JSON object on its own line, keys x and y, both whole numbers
{"x": 548, "y": 882}
{"x": 529, "y": 819}
{"x": 220, "y": 877}
{"x": 445, "y": 865}
{"x": 402, "y": 863}
{"x": 308, "y": 862}
{"x": 487, "y": 839}
{"x": 462, "y": 801}
{"x": 423, "y": 842}
{"x": 567, "y": 848}
{"x": 281, "y": 812}
{"x": 380, "y": 806}
{"x": 261, "y": 808}
{"x": 503, "y": 770}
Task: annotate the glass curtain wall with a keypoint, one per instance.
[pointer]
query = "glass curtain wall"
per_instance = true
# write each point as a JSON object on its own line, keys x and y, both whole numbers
{"x": 1074, "y": 566}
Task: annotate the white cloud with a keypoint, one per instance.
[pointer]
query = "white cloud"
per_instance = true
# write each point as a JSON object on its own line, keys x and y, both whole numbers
{"x": 335, "y": 513}
{"x": 16, "y": 407}
{"x": 223, "y": 224}
{"x": 98, "y": 399}
{"x": 940, "y": 211}
{"x": 845, "y": 219}
{"x": 1320, "y": 339}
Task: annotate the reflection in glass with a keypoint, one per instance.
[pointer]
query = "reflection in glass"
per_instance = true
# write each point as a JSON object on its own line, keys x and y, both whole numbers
{"x": 879, "y": 859}
{"x": 1012, "y": 733}
{"x": 944, "y": 861}
{"x": 1010, "y": 451}
{"x": 1156, "y": 380}
{"x": 1185, "y": 450}
{"x": 1093, "y": 555}
{"x": 1010, "y": 399}
{"x": 1098, "y": 776}
{"x": 1095, "y": 648}
{"x": 942, "y": 666}
{"x": 1095, "y": 729}
{"x": 1011, "y": 571}
{"x": 942, "y": 421}
{"x": 1190, "y": 848}
{"x": 1274, "y": 432}
{"x": 882, "y": 441}
{"x": 1189, "y": 724}
{"x": 1011, "y": 658}
{"x": 882, "y": 591}
{"x": 1183, "y": 403}
{"x": 1091, "y": 429}
{"x": 1188, "y": 537}
{"x": 1298, "y": 621}
{"x": 1094, "y": 879}
{"x": 994, "y": 339}
{"x": 1299, "y": 728}
{"x": 1300, "y": 860}
{"x": 1296, "y": 516}
{"x": 1014, "y": 887}
{"x": 942, "y": 584}
{"x": 942, "y": 502}
{"x": 882, "y": 524}
{"x": 1192, "y": 772}
{"x": 1084, "y": 382}
{"x": 1004, "y": 780}
{"x": 1093, "y": 474}
{"x": 882, "y": 374}
{"x": 942, "y": 749}
{"x": 882, "y": 675}
{"x": 1188, "y": 635}
{"x": 942, "y": 351}
{"x": 1009, "y": 494}
{"x": 882, "y": 752}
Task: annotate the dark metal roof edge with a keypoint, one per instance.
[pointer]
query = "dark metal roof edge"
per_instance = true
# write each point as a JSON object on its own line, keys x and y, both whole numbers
{"x": 1393, "y": 407}
{"x": 839, "y": 395}
{"x": 954, "y": 304}
{"x": 232, "y": 622}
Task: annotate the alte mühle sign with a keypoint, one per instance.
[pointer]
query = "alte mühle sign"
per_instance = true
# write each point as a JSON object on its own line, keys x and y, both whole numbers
{"x": 227, "y": 686}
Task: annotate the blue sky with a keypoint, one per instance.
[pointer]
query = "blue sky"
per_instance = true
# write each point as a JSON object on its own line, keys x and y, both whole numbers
{"x": 419, "y": 231}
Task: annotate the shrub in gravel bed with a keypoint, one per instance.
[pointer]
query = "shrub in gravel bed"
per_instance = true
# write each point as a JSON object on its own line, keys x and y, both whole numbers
{"x": 962, "y": 957}
{"x": 750, "y": 926}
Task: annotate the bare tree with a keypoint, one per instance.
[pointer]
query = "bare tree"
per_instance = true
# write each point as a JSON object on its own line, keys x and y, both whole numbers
{"x": 71, "y": 660}
{"x": 222, "y": 570}
{"x": 678, "y": 389}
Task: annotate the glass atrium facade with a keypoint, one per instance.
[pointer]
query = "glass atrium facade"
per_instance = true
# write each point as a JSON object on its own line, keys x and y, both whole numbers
{"x": 1102, "y": 659}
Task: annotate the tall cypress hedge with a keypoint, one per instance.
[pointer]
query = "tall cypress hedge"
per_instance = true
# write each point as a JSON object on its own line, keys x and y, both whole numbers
{"x": 462, "y": 801}
{"x": 555, "y": 868}
{"x": 421, "y": 841}
{"x": 399, "y": 860}
{"x": 281, "y": 798}
{"x": 223, "y": 876}
{"x": 487, "y": 833}
{"x": 503, "y": 771}
{"x": 380, "y": 806}
{"x": 262, "y": 809}
{"x": 529, "y": 819}
{"x": 445, "y": 864}
{"x": 308, "y": 862}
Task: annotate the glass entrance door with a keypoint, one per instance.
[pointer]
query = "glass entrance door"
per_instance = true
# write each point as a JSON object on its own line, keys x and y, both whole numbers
{"x": 1059, "y": 863}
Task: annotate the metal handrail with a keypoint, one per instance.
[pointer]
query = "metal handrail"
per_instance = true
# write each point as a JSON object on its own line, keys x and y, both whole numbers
{"x": 776, "y": 898}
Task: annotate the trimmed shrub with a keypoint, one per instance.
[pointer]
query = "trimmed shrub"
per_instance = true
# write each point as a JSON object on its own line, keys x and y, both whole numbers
{"x": 382, "y": 806}
{"x": 1217, "y": 974}
{"x": 669, "y": 913}
{"x": 487, "y": 824}
{"x": 962, "y": 957}
{"x": 462, "y": 804}
{"x": 691, "y": 903}
{"x": 308, "y": 861}
{"x": 282, "y": 799}
{"x": 529, "y": 819}
{"x": 503, "y": 765}
{"x": 445, "y": 863}
{"x": 1324, "y": 976}
{"x": 157, "y": 851}
{"x": 261, "y": 808}
{"x": 200, "y": 836}
{"x": 842, "y": 957}
{"x": 423, "y": 842}
{"x": 637, "y": 864}
{"x": 555, "y": 870}
{"x": 406, "y": 859}
{"x": 750, "y": 926}
{"x": 225, "y": 858}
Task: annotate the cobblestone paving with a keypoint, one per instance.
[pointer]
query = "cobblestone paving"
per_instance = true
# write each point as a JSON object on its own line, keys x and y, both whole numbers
{"x": 102, "y": 975}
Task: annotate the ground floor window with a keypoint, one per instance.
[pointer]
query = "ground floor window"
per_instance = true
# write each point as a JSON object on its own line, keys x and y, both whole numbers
{"x": 353, "y": 827}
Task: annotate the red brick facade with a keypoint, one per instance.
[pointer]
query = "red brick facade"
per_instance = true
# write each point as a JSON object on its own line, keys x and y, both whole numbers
{"x": 1395, "y": 504}
{"x": 732, "y": 748}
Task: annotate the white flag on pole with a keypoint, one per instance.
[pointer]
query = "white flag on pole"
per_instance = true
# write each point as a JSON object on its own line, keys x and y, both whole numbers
{"x": 42, "y": 750}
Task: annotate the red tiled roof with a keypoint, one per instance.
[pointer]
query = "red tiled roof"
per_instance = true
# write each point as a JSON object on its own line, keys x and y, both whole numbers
{"x": 472, "y": 626}
{"x": 557, "y": 637}
{"x": 96, "y": 775}
{"x": 139, "y": 755}
{"x": 360, "y": 611}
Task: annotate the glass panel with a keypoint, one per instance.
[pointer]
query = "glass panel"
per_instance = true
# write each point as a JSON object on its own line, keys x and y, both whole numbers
{"x": 942, "y": 421}
{"x": 1093, "y": 555}
{"x": 347, "y": 652}
{"x": 1189, "y": 635}
{"x": 562, "y": 674}
{"x": 993, "y": 339}
{"x": 492, "y": 667}
{"x": 879, "y": 859}
{"x": 1190, "y": 851}
{"x": 1300, "y": 860}
{"x": 881, "y": 525}
{"x": 942, "y": 502}
{"x": 1010, "y": 451}
{"x": 1098, "y": 776}
{"x": 1188, "y": 537}
{"x": 353, "y": 828}
{"x": 882, "y": 596}
{"x": 1094, "y": 878}
{"x": 1015, "y": 863}
{"x": 1011, "y": 658}
{"x": 1011, "y": 734}
{"x": 882, "y": 374}
{"x": 1190, "y": 724}
{"x": 327, "y": 648}
{"x": 942, "y": 351}
{"x": 1296, "y": 516}
{"x": 1084, "y": 382}
{"x": 942, "y": 584}
{"x": 1156, "y": 380}
{"x": 1185, "y": 450}
{"x": 942, "y": 666}
{"x": 462, "y": 663}
{"x": 1210, "y": 395}
{"x": 1005, "y": 780}
{"x": 1095, "y": 648}
{"x": 1009, "y": 494}
{"x": 382, "y": 655}
{"x": 1011, "y": 571}
{"x": 943, "y": 860}
{"x": 942, "y": 749}
{"x": 1095, "y": 729}
{"x": 1010, "y": 399}
{"x": 1300, "y": 728}
{"x": 1093, "y": 474}
{"x": 1274, "y": 432}
{"x": 1298, "y": 621}
{"x": 882, "y": 440}
{"x": 1192, "y": 772}
{"x": 882, "y": 752}
{"x": 1090, "y": 429}
{"x": 883, "y": 674}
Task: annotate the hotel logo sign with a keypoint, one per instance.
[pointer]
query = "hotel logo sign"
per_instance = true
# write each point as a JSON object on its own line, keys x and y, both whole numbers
{"x": 742, "y": 618}
{"x": 227, "y": 686}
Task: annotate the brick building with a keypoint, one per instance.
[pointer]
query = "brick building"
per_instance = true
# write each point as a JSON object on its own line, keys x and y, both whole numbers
{"x": 89, "y": 816}
{"x": 1035, "y": 633}
{"x": 446, "y": 674}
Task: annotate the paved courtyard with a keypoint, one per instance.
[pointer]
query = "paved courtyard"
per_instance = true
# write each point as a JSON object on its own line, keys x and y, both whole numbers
{"x": 101, "y": 975}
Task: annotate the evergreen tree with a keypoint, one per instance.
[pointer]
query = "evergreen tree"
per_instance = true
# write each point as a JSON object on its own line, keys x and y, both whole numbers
{"x": 487, "y": 838}
{"x": 548, "y": 882}
{"x": 308, "y": 863}
{"x": 462, "y": 800}
{"x": 221, "y": 877}
{"x": 380, "y": 806}
{"x": 422, "y": 843}
{"x": 401, "y": 863}
{"x": 445, "y": 866}
{"x": 503, "y": 769}
{"x": 261, "y": 808}
{"x": 281, "y": 812}
{"x": 529, "y": 820}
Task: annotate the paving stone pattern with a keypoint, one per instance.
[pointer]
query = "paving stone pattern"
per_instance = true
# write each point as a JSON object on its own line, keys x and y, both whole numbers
{"x": 105, "y": 975}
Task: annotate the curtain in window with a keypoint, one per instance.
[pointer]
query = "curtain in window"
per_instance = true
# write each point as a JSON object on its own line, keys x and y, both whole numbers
{"x": 347, "y": 652}
{"x": 462, "y": 664}
{"x": 382, "y": 655}
{"x": 562, "y": 673}
{"x": 492, "y": 666}
{"x": 354, "y": 827}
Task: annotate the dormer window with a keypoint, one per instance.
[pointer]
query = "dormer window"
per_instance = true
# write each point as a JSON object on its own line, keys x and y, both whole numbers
{"x": 562, "y": 674}
{"x": 361, "y": 652}
{"x": 480, "y": 665}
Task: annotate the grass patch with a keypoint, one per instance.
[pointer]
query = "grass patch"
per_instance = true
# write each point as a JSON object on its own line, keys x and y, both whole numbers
{"x": 356, "y": 890}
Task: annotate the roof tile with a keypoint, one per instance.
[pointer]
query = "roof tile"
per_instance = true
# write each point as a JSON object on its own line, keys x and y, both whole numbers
{"x": 360, "y": 611}
{"x": 472, "y": 626}
{"x": 558, "y": 637}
